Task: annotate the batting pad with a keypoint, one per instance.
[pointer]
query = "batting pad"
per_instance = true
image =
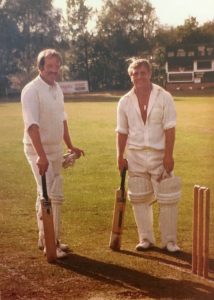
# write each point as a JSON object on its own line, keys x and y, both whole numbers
{"x": 144, "y": 220}
{"x": 169, "y": 190}
{"x": 168, "y": 223}
{"x": 56, "y": 192}
{"x": 139, "y": 189}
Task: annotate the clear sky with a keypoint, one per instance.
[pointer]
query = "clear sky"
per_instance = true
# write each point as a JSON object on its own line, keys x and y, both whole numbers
{"x": 170, "y": 12}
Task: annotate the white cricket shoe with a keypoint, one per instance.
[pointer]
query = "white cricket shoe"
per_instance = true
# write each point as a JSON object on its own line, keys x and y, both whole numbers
{"x": 172, "y": 247}
{"x": 63, "y": 247}
{"x": 143, "y": 246}
{"x": 59, "y": 253}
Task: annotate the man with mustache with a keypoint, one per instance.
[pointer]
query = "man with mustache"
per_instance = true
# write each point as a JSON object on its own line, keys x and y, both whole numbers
{"x": 45, "y": 128}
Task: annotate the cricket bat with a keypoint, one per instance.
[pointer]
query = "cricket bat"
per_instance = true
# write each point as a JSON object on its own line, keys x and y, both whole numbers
{"x": 47, "y": 217}
{"x": 118, "y": 215}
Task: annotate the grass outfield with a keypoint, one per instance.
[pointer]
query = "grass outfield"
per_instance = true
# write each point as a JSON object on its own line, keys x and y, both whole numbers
{"x": 92, "y": 270}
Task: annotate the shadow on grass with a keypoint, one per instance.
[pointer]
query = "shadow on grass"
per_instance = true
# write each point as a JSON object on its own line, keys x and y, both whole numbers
{"x": 146, "y": 284}
{"x": 183, "y": 260}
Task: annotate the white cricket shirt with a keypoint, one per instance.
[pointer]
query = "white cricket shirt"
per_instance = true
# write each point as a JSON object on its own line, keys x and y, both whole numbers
{"x": 43, "y": 105}
{"x": 161, "y": 115}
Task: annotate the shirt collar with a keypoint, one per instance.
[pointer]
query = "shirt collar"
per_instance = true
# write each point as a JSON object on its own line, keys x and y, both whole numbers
{"x": 45, "y": 84}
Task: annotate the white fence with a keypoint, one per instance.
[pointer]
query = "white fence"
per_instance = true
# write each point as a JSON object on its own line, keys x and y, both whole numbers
{"x": 71, "y": 87}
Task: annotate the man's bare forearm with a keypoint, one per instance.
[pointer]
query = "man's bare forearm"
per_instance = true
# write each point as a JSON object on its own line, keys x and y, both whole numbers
{"x": 169, "y": 141}
{"x": 121, "y": 145}
{"x": 169, "y": 147}
{"x": 66, "y": 136}
{"x": 67, "y": 140}
{"x": 34, "y": 134}
{"x": 42, "y": 160}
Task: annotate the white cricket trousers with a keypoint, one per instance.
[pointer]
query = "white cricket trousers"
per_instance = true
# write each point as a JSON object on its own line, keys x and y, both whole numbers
{"x": 148, "y": 164}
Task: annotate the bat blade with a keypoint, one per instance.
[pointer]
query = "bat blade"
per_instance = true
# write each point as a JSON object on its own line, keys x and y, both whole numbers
{"x": 118, "y": 220}
{"x": 47, "y": 217}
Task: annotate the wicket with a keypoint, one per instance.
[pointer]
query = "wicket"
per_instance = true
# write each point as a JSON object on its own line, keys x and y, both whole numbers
{"x": 200, "y": 241}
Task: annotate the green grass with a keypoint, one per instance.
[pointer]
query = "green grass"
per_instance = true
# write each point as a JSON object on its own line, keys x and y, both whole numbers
{"x": 87, "y": 212}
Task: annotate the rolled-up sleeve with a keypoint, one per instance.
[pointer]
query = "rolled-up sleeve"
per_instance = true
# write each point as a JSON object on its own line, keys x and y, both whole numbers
{"x": 30, "y": 107}
{"x": 169, "y": 118}
{"x": 122, "y": 121}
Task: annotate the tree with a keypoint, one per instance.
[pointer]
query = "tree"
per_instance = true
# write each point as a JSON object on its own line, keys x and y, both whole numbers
{"x": 207, "y": 29}
{"x": 9, "y": 49}
{"x": 35, "y": 26}
{"x": 131, "y": 17}
{"x": 124, "y": 29}
{"x": 189, "y": 33}
{"x": 78, "y": 15}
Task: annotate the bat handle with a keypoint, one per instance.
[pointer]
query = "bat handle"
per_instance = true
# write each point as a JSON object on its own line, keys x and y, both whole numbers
{"x": 123, "y": 179}
{"x": 44, "y": 187}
